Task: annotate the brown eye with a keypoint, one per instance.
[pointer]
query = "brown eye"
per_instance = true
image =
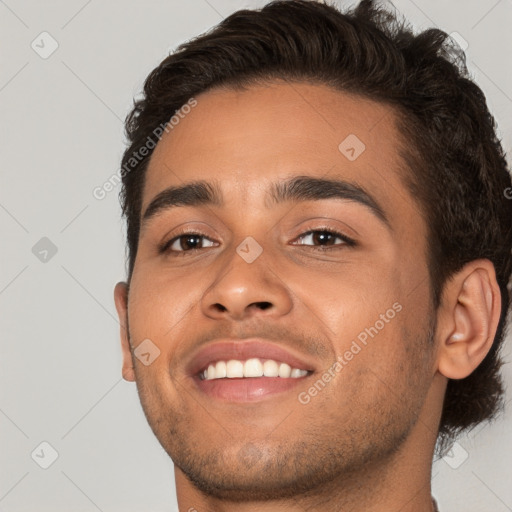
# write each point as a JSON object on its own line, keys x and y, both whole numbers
{"x": 186, "y": 242}
{"x": 325, "y": 238}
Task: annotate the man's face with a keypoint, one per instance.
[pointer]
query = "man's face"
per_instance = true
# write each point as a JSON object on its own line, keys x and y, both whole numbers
{"x": 320, "y": 298}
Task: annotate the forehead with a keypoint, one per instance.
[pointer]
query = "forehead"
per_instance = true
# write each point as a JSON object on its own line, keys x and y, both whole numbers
{"x": 247, "y": 139}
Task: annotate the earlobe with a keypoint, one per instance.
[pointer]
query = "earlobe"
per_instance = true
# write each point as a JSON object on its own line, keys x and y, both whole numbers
{"x": 474, "y": 306}
{"x": 121, "y": 302}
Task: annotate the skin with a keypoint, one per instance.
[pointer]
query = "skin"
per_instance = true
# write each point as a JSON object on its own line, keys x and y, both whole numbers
{"x": 366, "y": 441}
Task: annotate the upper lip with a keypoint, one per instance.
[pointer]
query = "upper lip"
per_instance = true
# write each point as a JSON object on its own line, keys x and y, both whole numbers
{"x": 242, "y": 350}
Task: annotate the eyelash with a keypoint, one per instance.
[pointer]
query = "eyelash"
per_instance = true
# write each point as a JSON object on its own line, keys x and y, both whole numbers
{"x": 165, "y": 247}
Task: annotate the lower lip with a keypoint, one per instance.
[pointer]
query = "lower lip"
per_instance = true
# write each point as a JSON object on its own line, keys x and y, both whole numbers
{"x": 248, "y": 389}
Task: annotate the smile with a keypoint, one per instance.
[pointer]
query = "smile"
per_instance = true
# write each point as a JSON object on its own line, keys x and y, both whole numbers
{"x": 253, "y": 367}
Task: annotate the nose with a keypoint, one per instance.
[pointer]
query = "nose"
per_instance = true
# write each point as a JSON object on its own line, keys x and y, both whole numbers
{"x": 243, "y": 290}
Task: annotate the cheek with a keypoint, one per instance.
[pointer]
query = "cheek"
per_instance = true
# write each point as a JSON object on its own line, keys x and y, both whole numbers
{"x": 158, "y": 303}
{"x": 375, "y": 328}
{"x": 356, "y": 305}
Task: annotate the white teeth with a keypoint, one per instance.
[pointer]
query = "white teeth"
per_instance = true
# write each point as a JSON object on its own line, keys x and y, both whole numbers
{"x": 270, "y": 368}
{"x": 285, "y": 370}
{"x": 234, "y": 369}
{"x": 220, "y": 370}
{"x": 253, "y": 367}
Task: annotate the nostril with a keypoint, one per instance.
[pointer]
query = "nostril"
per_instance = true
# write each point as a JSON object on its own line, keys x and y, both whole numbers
{"x": 263, "y": 305}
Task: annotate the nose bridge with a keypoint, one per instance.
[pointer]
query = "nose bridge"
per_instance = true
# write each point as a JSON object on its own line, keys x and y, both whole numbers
{"x": 245, "y": 285}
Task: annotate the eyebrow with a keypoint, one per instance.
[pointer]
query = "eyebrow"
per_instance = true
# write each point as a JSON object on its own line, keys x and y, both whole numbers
{"x": 297, "y": 188}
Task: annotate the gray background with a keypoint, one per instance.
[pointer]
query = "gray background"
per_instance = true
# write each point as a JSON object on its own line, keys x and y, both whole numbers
{"x": 62, "y": 136}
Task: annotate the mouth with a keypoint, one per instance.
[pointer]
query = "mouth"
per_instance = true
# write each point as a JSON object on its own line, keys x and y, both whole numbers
{"x": 247, "y": 371}
{"x": 251, "y": 368}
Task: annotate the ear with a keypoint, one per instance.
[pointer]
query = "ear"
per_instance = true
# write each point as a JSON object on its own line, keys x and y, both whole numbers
{"x": 121, "y": 300}
{"x": 469, "y": 319}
